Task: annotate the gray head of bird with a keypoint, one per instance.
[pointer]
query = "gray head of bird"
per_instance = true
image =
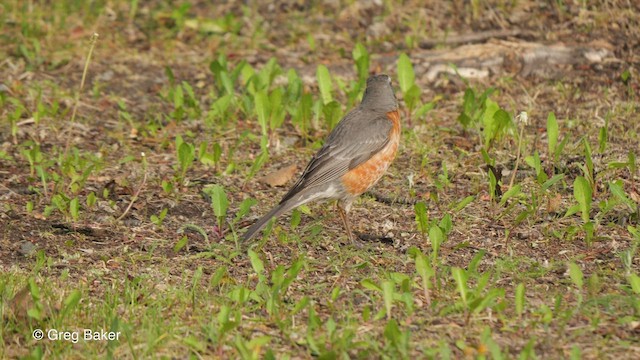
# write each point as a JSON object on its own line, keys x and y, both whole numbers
{"x": 379, "y": 94}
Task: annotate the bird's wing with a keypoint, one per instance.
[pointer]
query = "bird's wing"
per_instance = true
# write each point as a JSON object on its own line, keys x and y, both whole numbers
{"x": 358, "y": 136}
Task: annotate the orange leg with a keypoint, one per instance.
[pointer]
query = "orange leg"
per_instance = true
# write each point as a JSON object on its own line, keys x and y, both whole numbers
{"x": 345, "y": 220}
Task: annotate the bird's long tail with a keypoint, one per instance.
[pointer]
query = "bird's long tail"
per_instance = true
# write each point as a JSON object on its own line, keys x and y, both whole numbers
{"x": 275, "y": 212}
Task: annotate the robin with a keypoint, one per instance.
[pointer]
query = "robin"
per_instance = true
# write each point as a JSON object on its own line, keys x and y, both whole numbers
{"x": 355, "y": 156}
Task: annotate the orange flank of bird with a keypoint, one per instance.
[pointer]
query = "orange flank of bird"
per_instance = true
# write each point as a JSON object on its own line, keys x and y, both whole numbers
{"x": 365, "y": 175}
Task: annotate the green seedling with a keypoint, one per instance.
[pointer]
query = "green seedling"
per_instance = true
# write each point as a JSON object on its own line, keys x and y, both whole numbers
{"x": 260, "y": 160}
{"x": 436, "y": 237}
{"x": 496, "y": 121}
{"x": 220, "y": 111}
{"x": 630, "y": 164}
{"x": 70, "y": 304}
{"x": 330, "y": 108}
{"x": 422, "y": 216}
{"x": 388, "y": 289}
{"x": 628, "y": 255}
{"x": 587, "y": 168}
{"x": 442, "y": 181}
{"x": 185, "y": 103}
{"x": 224, "y": 79}
{"x": 324, "y": 84}
{"x": 512, "y": 192}
{"x": 185, "y": 153}
{"x": 616, "y": 188}
{"x": 626, "y": 79}
{"x": 37, "y": 310}
{"x": 634, "y": 282}
{"x": 210, "y": 158}
{"x": 473, "y": 107}
{"x": 219, "y": 203}
{"x": 74, "y": 208}
{"x": 494, "y": 185}
{"x": 59, "y": 202}
{"x": 158, "y": 219}
{"x": 397, "y": 340}
{"x": 31, "y": 53}
{"x": 583, "y": 195}
{"x": 463, "y": 203}
{"x": 425, "y": 270}
{"x": 407, "y": 82}
{"x": 180, "y": 244}
{"x": 77, "y": 167}
{"x": 520, "y": 299}
{"x": 485, "y": 115}
{"x": 535, "y": 162}
{"x": 552, "y": 137}
{"x": 494, "y": 348}
{"x": 603, "y": 135}
{"x": 577, "y": 278}
{"x": 261, "y": 101}
{"x": 167, "y": 187}
{"x": 481, "y": 297}
{"x": 362, "y": 61}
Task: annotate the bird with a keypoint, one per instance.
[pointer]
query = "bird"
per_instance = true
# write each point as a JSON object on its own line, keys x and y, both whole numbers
{"x": 355, "y": 155}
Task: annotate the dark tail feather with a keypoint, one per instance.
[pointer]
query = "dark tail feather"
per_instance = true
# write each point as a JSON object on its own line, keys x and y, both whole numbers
{"x": 275, "y": 212}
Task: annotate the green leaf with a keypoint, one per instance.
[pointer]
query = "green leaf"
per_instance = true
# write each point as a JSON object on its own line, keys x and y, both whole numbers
{"x": 463, "y": 203}
{"x": 361, "y": 57}
{"x": 486, "y": 301}
{"x": 582, "y": 193}
{"x": 617, "y": 190}
{"x": 549, "y": 183}
{"x": 572, "y": 210}
{"x": 219, "y": 201}
{"x": 262, "y": 109}
{"x": 324, "y": 83}
{"x": 446, "y": 224}
{"x": 520, "y": 299}
{"x": 74, "y": 208}
{"x": 193, "y": 343}
{"x": 388, "y": 289}
{"x": 634, "y": 281}
{"x": 185, "y": 156}
{"x": 576, "y": 275}
{"x": 422, "y": 216}
{"x": 256, "y": 262}
{"x": 424, "y": 109}
{"x": 588, "y": 159}
{"x": 217, "y": 276}
{"x": 552, "y": 133}
{"x": 426, "y": 272}
{"x": 180, "y": 244}
{"x": 71, "y": 302}
{"x": 603, "y": 137}
{"x": 244, "y": 207}
{"x": 460, "y": 276}
{"x": 406, "y": 75}
{"x": 515, "y": 190}
{"x": 369, "y": 284}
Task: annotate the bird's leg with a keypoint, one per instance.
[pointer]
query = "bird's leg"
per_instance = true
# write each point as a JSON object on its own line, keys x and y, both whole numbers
{"x": 344, "y": 214}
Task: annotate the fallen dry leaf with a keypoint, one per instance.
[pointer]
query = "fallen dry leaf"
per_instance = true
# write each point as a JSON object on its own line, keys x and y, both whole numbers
{"x": 553, "y": 203}
{"x": 279, "y": 177}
